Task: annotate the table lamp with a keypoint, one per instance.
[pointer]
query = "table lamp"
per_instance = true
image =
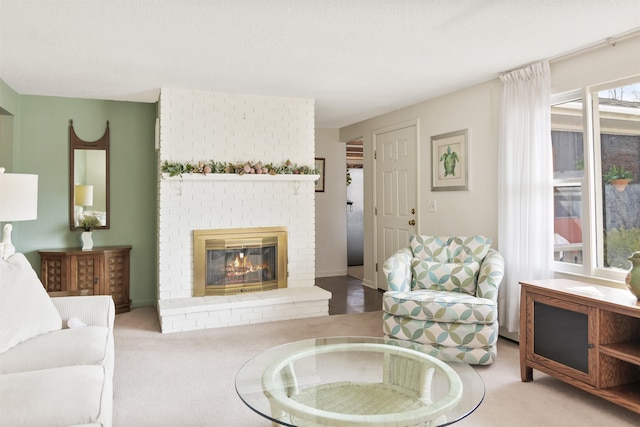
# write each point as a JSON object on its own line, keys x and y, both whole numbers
{"x": 18, "y": 202}
{"x": 83, "y": 196}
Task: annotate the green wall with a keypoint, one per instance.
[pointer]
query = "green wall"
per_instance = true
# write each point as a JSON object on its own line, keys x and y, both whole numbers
{"x": 9, "y": 107}
{"x": 41, "y": 146}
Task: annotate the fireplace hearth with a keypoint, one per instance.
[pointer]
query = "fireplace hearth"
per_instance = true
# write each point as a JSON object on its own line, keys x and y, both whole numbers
{"x": 239, "y": 260}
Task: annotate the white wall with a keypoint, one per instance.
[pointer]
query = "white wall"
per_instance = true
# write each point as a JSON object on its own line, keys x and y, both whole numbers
{"x": 597, "y": 66}
{"x": 477, "y": 109}
{"x": 458, "y": 212}
{"x": 331, "y": 216}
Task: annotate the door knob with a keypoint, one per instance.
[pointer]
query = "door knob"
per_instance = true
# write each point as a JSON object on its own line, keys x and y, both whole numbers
{"x": 413, "y": 211}
{"x": 412, "y": 222}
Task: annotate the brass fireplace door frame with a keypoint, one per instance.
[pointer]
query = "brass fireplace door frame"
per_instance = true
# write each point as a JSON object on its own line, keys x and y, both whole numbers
{"x": 200, "y": 238}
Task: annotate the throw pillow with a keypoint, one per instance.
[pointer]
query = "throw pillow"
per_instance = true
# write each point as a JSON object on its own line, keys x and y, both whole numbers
{"x": 467, "y": 249}
{"x": 432, "y": 248}
{"x": 457, "y": 277}
{"x": 26, "y": 310}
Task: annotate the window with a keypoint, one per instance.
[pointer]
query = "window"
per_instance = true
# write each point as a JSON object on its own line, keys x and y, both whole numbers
{"x": 596, "y": 166}
{"x": 568, "y": 177}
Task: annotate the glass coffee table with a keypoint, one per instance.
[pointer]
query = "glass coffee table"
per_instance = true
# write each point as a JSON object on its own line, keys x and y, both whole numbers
{"x": 351, "y": 381}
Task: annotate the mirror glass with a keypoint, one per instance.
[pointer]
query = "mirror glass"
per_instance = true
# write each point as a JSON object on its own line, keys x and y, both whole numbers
{"x": 88, "y": 179}
{"x": 90, "y": 185}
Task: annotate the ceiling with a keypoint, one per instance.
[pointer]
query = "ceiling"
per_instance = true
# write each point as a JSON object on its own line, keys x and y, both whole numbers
{"x": 357, "y": 59}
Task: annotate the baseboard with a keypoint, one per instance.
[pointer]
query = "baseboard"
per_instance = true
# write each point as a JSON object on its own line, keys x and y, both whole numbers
{"x": 331, "y": 273}
{"x": 144, "y": 303}
{"x": 513, "y": 336}
{"x": 368, "y": 283}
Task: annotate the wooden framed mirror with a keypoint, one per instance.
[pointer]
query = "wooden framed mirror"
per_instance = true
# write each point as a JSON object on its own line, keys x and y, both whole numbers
{"x": 88, "y": 179}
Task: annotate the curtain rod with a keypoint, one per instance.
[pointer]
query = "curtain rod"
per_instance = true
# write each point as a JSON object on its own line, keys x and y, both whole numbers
{"x": 609, "y": 41}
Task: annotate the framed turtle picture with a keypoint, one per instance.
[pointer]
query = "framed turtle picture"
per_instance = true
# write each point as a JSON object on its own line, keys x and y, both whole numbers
{"x": 450, "y": 161}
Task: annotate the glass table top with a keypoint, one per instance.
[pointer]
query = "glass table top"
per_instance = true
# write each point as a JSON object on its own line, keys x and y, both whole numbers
{"x": 307, "y": 367}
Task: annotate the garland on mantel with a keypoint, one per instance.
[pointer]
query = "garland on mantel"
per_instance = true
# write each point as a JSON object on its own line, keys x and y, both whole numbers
{"x": 286, "y": 168}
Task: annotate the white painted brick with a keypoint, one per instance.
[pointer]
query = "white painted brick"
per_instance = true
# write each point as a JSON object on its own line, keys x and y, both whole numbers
{"x": 220, "y": 316}
{"x": 273, "y": 315}
{"x": 240, "y": 312}
{"x": 187, "y": 325}
{"x": 210, "y": 323}
{"x": 264, "y": 311}
{"x": 196, "y": 125}
{"x": 251, "y": 317}
{"x": 194, "y": 313}
{"x": 197, "y": 316}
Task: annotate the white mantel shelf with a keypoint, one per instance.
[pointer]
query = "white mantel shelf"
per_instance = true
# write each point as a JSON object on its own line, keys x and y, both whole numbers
{"x": 237, "y": 177}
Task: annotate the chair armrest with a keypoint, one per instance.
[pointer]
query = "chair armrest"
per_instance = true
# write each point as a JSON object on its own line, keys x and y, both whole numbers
{"x": 397, "y": 270}
{"x": 490, "y": 276}
{"x": 95, "y": 310}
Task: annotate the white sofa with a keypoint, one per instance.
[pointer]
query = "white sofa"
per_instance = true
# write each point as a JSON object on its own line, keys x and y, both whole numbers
{"x": 50, "y": 374}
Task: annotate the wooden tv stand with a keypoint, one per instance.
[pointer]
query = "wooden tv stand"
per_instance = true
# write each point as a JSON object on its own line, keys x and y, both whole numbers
{"x": 585, "y": 335}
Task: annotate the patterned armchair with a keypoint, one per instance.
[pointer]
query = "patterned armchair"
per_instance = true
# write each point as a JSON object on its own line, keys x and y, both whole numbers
{"x": 442, "y": 294}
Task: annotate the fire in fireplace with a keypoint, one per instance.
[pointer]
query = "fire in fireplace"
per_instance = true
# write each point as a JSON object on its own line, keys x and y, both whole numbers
{"x": 244, "y": 263}
{"x": 230, "y": 261}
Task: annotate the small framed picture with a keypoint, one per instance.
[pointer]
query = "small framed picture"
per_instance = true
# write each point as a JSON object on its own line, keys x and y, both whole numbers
{"x": 320, "y": 181}
{"x": 450, "y": 161}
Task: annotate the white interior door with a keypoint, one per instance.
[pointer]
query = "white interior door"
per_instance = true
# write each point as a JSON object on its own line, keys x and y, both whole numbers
{"x": 396, "y": 193}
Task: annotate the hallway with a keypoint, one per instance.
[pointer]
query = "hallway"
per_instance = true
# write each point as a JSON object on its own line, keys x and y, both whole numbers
{"x": 349, "y": 295}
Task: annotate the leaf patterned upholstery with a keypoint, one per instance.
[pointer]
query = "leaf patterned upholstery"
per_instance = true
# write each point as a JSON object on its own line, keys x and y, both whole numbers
{"x": 443, "y": 306}
{"x": 445, "y": 276}
{"x": 432, "y": 248}
{"x": 447, "y": 318}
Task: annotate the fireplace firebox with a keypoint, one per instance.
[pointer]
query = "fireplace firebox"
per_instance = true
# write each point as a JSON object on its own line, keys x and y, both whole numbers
{"x": 234, "y": 260}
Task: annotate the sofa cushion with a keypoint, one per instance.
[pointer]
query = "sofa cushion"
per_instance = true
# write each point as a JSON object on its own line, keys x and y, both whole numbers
{"x": 26, "y": 310}
{"x": 441, "y": 306}
{"x": 78, "y": 346}
{"x": 432, "y": 248}
{"x": 437, "y": 276}
{"x": 66, "y": 396}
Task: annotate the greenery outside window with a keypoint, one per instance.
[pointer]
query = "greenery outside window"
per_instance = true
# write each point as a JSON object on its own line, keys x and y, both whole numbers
{"x": 596, "y": 148}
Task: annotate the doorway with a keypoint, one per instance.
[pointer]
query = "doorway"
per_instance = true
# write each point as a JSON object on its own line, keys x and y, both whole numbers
{"x": 355, "y": 208}
{"x": 396, "y": 160}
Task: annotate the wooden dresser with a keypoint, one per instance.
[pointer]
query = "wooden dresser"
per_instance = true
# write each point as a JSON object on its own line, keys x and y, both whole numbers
{"x": 99, "y": 271}
{"x": 583, "y": 334}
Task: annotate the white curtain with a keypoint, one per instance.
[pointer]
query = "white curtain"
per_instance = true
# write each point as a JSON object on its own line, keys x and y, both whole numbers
{"x": 525, "y": 194}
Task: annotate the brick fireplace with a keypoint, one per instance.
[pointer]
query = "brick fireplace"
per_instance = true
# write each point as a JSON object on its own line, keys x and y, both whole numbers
{"x": 202, "y": 126}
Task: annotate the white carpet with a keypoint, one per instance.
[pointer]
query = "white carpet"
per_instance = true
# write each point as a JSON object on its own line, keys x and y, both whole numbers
{"x": 187, "y": 379}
